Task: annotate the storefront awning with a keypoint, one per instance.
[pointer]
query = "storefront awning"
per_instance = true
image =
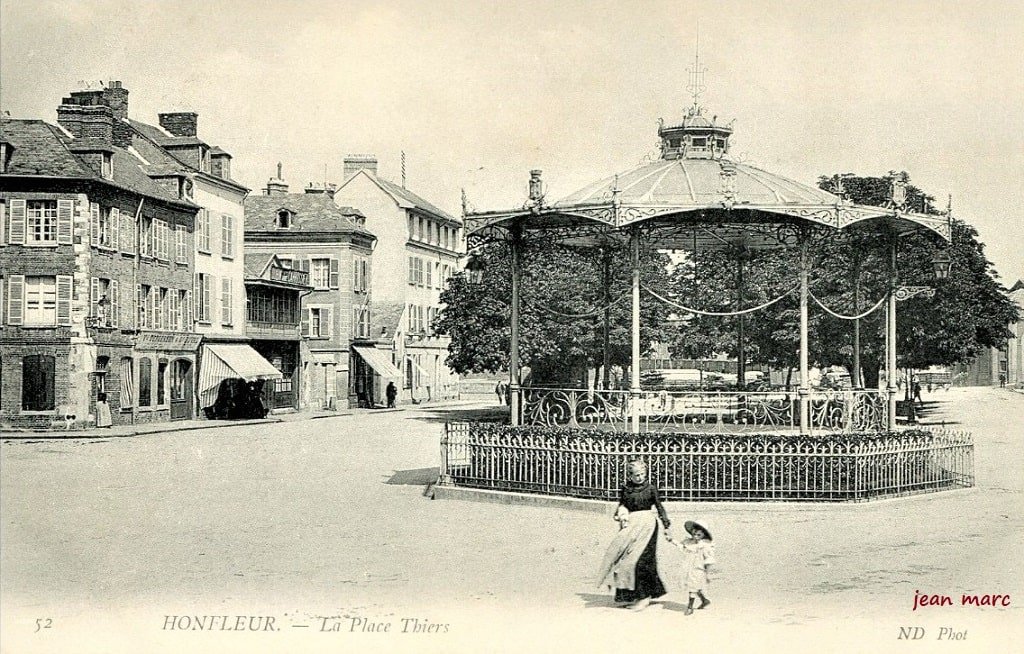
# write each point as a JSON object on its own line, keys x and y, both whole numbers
{"x": 231, "y": 361}
{"x": 379, "y": 361}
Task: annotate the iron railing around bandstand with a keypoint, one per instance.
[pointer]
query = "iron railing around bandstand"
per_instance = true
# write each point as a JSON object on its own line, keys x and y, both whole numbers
{"x": 722, "y": 411}
{"x": 707, "y": 466}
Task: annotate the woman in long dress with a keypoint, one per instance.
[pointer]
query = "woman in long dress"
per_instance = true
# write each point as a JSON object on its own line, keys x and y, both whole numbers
{"x": 630, "y": 565}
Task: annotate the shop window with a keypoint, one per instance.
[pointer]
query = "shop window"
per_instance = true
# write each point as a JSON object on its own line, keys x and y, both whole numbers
{"x": 37, "y": 382}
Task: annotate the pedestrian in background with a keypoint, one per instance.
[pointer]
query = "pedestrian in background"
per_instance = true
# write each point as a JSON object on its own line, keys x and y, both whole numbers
{"x": 501, "y": 391}
{"x": 917, "y": 393}
{"x": 391, "y": 392}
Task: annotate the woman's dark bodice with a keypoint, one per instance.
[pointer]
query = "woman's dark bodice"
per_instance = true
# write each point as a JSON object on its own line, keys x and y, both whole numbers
{"x": 641, "y": 498}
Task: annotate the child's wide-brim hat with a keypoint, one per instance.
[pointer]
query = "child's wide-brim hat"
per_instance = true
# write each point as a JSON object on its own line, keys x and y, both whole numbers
{"x": 691, "y": 526}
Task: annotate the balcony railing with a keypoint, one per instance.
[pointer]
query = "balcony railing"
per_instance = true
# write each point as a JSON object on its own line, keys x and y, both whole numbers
{"x": 272, "y": 330}
{"x": 671, "y": 411}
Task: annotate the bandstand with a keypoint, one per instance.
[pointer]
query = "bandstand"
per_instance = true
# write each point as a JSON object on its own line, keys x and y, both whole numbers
{"x": 812, "y": 444}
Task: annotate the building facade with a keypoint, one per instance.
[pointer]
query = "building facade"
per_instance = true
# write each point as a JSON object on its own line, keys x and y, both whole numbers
{"x": 418, "y": 249}
{"x": 997, "y": 366}
{"x": 309, "y": 232}
{"x": 96, "y": 273}
{"x": 273, "y": 303}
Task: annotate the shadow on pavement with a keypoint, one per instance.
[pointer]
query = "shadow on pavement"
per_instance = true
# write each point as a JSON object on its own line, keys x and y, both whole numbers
{"x": 417, "y": 477}
{"x": 485, "y": 414}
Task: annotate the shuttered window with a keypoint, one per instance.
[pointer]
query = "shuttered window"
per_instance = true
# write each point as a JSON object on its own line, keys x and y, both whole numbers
{"x": 227, "y": 236}
{"x": 226, "y": 301}
{"x": 127, "y": 233}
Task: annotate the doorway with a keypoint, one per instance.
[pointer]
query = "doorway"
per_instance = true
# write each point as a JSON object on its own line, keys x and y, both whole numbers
{"x": 181, "y": 389}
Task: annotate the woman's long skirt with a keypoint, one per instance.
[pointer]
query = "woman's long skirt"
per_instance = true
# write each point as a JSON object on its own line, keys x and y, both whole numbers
{"x": 630, "y": 565}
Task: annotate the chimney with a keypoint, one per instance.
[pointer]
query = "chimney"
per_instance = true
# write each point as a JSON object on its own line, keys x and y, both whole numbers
{"x": 327, "y": 189}
{"x": 276, "y": 185}
{"x": 180, "y": 124}
{"x": 356, "y": 162}
{"x": 86, "y": 122}
{"x": 115, "y": 96}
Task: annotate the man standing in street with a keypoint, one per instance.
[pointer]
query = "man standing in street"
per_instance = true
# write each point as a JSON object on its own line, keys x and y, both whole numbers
{"x": 391, "y": 392}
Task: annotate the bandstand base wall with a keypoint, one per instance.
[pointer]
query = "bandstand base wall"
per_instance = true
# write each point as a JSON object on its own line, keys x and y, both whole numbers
{"x": 591, "y": 464}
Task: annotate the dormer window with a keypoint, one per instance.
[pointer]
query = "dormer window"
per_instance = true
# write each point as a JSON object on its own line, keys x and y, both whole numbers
{"x": 700, "y": 142}
{"x": 720, "y": 144}
{"x": 5, "y": 156}
{"x": 107, "y": 166}
{"x": 673, "y": 143}
{"x": 284, "y": 219}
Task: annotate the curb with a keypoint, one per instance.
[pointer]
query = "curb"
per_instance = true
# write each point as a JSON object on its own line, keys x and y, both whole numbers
{"x": 523, "y": 499}
{"x": 508, "y": 498}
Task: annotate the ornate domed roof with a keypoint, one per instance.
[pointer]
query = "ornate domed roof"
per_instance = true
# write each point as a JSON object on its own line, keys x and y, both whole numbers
{"x": 699, "y": 182}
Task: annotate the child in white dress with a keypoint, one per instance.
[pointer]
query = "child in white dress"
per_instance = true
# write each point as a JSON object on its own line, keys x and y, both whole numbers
{"x": 698, "y": 557}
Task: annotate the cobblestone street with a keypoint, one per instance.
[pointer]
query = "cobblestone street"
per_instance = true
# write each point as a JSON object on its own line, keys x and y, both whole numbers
{"x": 326, "y": 523}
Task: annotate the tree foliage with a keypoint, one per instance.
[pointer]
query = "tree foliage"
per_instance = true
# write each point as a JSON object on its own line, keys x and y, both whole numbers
{"x": 850, "y": 274}
{"x": 561, "y": 318}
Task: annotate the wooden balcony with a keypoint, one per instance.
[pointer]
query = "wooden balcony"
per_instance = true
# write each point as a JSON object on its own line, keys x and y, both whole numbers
{"x": 276, "y": 331}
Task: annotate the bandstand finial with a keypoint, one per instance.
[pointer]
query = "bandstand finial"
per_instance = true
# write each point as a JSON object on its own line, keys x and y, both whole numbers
{"x": 696, "y": 85}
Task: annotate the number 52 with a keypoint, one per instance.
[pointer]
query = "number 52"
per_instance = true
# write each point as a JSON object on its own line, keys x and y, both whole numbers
{"x": 43, "y": 623}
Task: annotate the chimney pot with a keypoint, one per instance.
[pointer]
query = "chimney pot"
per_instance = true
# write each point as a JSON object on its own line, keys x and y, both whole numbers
{"x": 183, "y": 123}
{"x": 353, "y": 163}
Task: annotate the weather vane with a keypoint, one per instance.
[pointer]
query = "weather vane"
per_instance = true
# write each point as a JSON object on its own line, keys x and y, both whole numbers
{"x": 696, "y": 85}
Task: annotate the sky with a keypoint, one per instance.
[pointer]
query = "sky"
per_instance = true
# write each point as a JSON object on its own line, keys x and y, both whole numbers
{"x": 478, "y": 93}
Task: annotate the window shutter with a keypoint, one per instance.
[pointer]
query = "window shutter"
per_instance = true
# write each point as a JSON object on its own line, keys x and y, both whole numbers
{"x": 128, "y": 233}
{"x": 115, "y": 302}
{"x": 65, "y": 286}
{"x": 364, "y": 283}
{"x": 16, "y": 298}
{"x": 186, "y": 312}
{"x": 325, "y": 322}
{"x": 151, "y": 302}
{"x": 334, "y": 274}
{"x": 304, "y": 325}
{"x": 115, "y": 228}
{"x": 126, "y": 320}
{"x": 412, "y": 270}
{"x": 16, "y": 236}
{"x": 225, "y": 300}
{"x": 207, "y": 297}
{"x": 304, "y": 262}
{"x": 94, "y": 296}
{"x": 197, "y": 293}
{"x": 139, "y": 322}
{"x": 355, "y": 274}
{"x": 65, "y": 220}
{"x": 94, "y": 223}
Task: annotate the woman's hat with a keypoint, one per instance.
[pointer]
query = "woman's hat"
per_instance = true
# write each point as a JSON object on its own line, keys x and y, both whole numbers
{"x": 691, "y": 526}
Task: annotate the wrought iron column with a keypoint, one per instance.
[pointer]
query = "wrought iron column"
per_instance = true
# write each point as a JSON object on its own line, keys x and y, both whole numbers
{"x": 513, "y": 356}
{"x": 856, "y": 381}
{"x": 741, "y": 345}
{"x": 605, "y": 372}
{"x": 890, "y": 337}
{"x": 634, "y": 383}
{"x": 805, "y": 382}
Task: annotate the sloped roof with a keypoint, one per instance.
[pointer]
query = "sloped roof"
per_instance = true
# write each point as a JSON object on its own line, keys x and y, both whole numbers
{"x": 43, "y": 149}
{"x": 311, "y": 212}
{"x": 412, "y": 199}
{"x": 39, "y": 149}
{"x": 386, "y": 315}
{"x": 152, "y": 143}
{"x": 256, "y": 263}
{"x": 161, "y": 137}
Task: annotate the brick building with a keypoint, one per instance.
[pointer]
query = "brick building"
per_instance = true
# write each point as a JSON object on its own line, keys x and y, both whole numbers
{"x": 172, "y": 155}
{"x": 96, "y": 271}
{"x": 309, "y": 232}
{"x": 418, "y": 249}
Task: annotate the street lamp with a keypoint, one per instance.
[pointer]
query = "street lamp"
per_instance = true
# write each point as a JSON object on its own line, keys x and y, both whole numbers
{"x": 942, "y": 262}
